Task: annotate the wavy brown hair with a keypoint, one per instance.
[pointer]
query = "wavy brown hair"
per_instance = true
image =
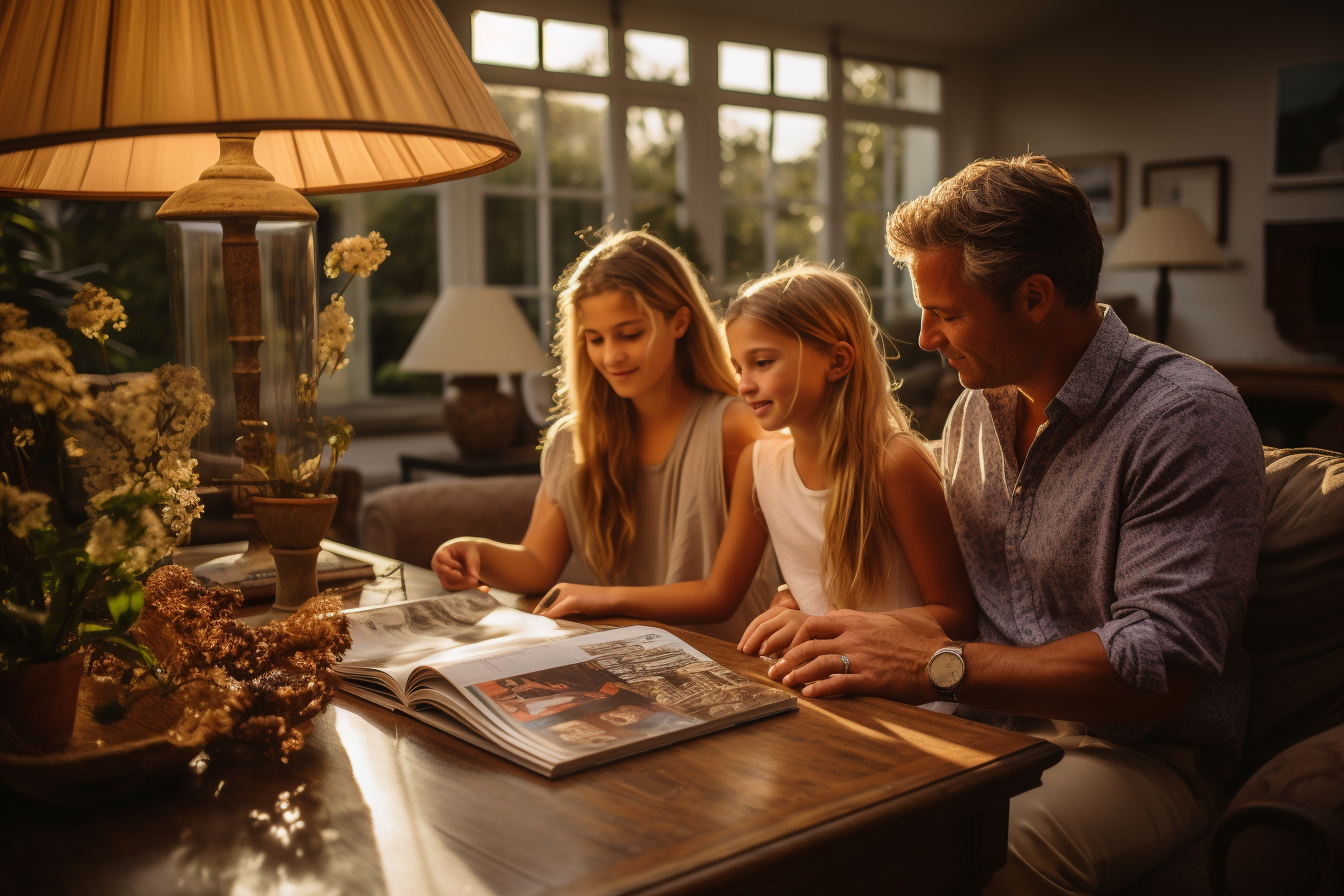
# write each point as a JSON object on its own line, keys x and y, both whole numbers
{"x": 820, "y": 307}
{"x": 1012, "y": 218}
{"x": 659, "y": 280}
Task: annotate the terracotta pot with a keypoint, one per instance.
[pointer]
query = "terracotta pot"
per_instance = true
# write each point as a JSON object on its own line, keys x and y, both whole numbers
{"x": 39, "y": 700}
{"x": 295, "y": 528}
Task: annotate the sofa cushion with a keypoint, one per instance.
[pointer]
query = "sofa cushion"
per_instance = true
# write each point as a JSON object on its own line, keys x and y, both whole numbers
{"x": 1295, "y": 623}
{"x": 409, "y": 522}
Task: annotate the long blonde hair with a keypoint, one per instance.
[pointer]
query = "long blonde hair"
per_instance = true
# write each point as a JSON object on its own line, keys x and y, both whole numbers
{"x": 821, "y": 307}
{"x": 659, "y": 280}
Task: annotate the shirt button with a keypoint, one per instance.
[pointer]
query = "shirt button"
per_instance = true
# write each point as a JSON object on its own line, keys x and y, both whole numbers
{"x": 1018, "y": 490}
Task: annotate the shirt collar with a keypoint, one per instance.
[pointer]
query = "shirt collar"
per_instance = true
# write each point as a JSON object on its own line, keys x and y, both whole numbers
{"x": 1085, "y": 386}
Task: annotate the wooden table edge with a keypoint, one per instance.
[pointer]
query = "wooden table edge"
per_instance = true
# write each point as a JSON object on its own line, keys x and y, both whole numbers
{"x": 927, "y": 805}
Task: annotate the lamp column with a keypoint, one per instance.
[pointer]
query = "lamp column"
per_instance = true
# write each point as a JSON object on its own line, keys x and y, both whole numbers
{"x": 1162, "y": 303}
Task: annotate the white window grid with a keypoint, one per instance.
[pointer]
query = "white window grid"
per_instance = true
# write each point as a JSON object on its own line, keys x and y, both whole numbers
{"x": 699, "y": 103}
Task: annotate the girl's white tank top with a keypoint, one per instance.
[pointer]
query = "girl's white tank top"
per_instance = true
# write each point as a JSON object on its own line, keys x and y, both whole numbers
{"x": 794, "y": 514}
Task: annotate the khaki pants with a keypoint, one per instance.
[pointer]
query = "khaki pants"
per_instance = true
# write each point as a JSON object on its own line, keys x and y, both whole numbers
{"x": 1104, "y": 816}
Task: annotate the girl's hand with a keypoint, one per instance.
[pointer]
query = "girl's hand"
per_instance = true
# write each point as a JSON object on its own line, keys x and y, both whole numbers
{"x": 589, "y": 600}
{"x": 772, "y": 631}
{"x": 457, "y": 563}
{"x": 784, "y": 598}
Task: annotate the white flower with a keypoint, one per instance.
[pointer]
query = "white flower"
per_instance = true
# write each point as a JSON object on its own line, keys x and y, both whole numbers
{"x": 23, "y": 438}
{"x": 356, "y": 255}
{"x": 92, "y": 309}
{"x": 23, "y": 511}
{"x": 106, "y": 541}
{"x": 153, "y": 544}
{"x": 335, "y": 329}
{"x": 12, "y": 317}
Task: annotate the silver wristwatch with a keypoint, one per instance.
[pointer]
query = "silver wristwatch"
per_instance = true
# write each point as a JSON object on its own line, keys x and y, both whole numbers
{"x": 947, "y": 670}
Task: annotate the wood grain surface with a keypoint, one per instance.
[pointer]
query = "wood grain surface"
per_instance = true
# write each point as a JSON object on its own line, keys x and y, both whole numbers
{"x": 858, "y": 793}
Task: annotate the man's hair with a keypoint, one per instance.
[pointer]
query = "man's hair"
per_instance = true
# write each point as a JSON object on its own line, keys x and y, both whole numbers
{"x": 1012, "y": 218}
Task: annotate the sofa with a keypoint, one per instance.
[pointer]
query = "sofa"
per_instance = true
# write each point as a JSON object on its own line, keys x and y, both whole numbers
{"x": 1283, "y": 830}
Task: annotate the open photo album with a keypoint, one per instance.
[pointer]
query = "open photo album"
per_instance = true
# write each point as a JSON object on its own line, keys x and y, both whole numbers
{"x": 552, "y": 696}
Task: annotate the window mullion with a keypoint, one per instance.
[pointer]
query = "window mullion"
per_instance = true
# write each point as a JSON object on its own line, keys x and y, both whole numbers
{"x": 546, "y": 297}
{"x": 890, "y": 196}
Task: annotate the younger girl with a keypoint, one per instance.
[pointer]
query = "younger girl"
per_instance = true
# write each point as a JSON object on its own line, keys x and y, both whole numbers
{"x": 852, "y": 499}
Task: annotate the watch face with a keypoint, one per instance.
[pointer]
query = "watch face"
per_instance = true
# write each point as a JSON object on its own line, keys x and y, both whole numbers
{"x": 945, "y": 670}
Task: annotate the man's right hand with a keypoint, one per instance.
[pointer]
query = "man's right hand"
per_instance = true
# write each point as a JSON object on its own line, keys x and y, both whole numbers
{"x": 887, "y": 655}
{"x": 457, "y": 563}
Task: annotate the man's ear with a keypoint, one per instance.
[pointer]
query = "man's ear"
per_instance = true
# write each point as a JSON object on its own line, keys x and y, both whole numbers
{"x": 681, "y": 320}
{"x": 841, "y": 361}
{"x": 1036, "y": 296}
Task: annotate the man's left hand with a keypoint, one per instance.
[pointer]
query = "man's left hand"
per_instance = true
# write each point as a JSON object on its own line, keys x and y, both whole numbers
{"x": 888, "y": 655}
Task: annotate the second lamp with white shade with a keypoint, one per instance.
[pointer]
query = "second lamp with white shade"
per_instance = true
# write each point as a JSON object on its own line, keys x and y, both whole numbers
{"x": 477, "y": 333}
{"x": 1165, "y": 237}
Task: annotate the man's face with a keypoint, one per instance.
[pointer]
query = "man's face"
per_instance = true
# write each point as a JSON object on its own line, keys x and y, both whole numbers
{"x": 986, "y": 345}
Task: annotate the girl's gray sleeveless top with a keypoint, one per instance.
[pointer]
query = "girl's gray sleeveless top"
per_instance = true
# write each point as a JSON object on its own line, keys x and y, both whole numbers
{"x": 681, "y": 511}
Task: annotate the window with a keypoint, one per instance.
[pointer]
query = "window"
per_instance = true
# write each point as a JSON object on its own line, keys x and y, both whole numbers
{"x": 657, "y": 57}
{"x": 534, "y": 207}
{"x": 504, "y": 40}
{"x": 813, "y": 153}
{"x": 655, "y": 141}
{"x": 744, "y": 67}
{"x": 883, "y": 166}
{"x": 573, "y": 47}
{"x": 896, "y": 87}
{"x": 774, "y": 204}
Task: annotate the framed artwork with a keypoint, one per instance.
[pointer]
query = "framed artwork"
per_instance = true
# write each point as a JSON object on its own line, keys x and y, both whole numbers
{"x": 1102, "y": 180}
{"x": 1309, "y": 124}
{"x": 1197, "y": 184}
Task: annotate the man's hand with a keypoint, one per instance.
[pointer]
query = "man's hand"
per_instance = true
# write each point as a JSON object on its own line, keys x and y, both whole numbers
{"x": 589, "y": 600}
{"x": 773, "y": 630}
{"x": 888, "y": 655}
{"x": 457, "y": 563}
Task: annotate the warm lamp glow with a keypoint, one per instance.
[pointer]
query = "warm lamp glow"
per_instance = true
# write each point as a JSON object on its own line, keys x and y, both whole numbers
{"x": 1165, "y": 237}
{"x": 475, "y": 330}
{"x": 122, "y": 100}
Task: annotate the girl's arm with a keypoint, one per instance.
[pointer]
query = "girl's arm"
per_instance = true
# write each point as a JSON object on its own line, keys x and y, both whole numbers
{"x": 918, "y": 512}
{"x": 711, "y": 600}
{"x": 526, "y": 568}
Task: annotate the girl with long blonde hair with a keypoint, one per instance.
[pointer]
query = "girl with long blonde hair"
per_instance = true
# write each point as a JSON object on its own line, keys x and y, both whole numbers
{"x": 639, "y": 465}
{"x": 852, "y": 499}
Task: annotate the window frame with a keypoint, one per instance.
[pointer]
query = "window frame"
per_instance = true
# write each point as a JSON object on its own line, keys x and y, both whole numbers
{"x": 462, "y": 204}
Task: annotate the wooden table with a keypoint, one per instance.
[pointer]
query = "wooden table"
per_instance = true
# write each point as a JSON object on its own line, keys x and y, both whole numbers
{"x": 854, "y": 795}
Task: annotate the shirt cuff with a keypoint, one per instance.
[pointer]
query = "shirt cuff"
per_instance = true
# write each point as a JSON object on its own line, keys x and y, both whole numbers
{"x": 1133, "y": 646}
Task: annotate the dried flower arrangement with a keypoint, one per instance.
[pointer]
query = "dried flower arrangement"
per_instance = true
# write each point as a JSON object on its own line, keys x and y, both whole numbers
{"x": 267, "y": 683}
{"x": 297, "y": 474}
{"x": 63, "y": 586}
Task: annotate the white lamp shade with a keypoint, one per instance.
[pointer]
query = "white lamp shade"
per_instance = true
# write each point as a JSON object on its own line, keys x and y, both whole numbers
{"x": 1166, "y": 236}
{"x": 475, "y": 330}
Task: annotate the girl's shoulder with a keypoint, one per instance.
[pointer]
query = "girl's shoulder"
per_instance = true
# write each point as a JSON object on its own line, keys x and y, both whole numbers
{"x": 907, "y": 454}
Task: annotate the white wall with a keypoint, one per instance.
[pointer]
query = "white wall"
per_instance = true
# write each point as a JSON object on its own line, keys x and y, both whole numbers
{"x": 1161, "y": 82}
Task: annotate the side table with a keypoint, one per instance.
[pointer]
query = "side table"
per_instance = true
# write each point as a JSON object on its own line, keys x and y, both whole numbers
{"x": 511, "y": 462}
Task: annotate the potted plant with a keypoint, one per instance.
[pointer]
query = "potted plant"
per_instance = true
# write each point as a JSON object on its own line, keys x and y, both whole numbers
{"x": 293, "y": 508}
{"x": 68, "y": 582}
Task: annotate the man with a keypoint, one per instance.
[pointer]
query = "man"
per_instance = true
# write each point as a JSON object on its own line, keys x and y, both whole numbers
{"x": 1106, "y": 493}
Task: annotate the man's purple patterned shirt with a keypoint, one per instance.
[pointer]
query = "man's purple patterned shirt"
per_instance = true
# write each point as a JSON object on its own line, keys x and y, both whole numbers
{"x": 1136, "y": 515}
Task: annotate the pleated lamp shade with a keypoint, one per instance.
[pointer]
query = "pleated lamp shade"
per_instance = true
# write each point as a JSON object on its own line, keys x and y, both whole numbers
{"x": 121, "y": 99}
{"x": 475, "y": 330}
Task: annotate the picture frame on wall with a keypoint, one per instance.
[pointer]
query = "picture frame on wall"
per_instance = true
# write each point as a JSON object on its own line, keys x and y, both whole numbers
{"x": 1309, "y": 123}
{"x": 1197, "y": 184}
{"x": 1101, "y": 177}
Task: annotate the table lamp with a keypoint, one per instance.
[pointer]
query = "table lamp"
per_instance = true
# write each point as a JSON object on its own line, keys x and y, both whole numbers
{"x": 135, "y": 99}
{"x": 476, "y": 333}
{"x": 1165, "y": 237}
